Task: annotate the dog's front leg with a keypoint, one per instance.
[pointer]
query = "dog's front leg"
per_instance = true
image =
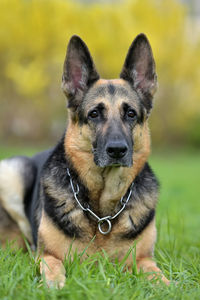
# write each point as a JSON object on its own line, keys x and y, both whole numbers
{"x": 147, "y": 265}
{"x": 52, "y": 271}
{"x": 51, "y": 252}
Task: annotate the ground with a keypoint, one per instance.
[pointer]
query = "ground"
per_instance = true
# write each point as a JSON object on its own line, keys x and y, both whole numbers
{"x": 177, "y": 250}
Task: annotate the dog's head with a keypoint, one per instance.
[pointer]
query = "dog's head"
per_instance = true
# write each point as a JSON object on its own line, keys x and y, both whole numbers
{"x": 115, "y": 112}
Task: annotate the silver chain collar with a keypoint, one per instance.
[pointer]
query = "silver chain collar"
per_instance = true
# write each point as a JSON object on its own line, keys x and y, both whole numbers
{"x": 106, "y": 219}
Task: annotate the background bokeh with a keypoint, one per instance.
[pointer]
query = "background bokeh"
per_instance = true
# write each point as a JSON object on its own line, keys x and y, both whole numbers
{"x": 33, "y": 40}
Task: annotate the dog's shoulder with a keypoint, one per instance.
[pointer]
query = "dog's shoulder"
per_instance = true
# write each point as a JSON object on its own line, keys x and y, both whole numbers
{"x": 56, "y": 193}
{"x": 141, "y": 208}
{"x": 146, "y": 181}
{"x": 54, "y": 172}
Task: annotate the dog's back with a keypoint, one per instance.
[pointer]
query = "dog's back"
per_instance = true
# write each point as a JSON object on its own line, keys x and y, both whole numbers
{"x": 19, "y": 188}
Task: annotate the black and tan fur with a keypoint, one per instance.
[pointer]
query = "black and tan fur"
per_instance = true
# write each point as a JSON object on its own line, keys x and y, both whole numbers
{"x": 106, "y": 147}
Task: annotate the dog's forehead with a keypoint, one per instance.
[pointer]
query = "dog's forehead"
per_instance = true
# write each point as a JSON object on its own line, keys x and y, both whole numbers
{"x": 111, "y": 92}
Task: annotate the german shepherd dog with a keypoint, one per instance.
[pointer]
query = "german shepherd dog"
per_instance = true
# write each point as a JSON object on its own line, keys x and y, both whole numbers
{"x": 95, "y": 186}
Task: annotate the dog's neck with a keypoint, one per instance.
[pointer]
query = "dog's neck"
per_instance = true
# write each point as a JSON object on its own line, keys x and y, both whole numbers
{"x": 106, "y": 185}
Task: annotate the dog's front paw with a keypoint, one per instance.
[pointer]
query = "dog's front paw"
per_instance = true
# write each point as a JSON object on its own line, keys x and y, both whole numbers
{"x": 53, "y": 272}
{"x": 58, "y": 283}
{"x": 148, "y": 266}
{"x": 165, "y": 280}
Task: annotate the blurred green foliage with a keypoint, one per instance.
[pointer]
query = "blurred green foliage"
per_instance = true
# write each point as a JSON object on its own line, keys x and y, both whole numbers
{"x": 33, "y": 39}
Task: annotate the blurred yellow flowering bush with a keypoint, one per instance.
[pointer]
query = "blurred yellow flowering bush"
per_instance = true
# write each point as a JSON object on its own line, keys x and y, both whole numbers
{"x": 33, "y": 39}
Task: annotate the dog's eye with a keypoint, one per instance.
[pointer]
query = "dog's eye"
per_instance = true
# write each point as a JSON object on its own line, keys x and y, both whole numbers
{"x": 131, "y": 113}
{"x": 94, "y": 114}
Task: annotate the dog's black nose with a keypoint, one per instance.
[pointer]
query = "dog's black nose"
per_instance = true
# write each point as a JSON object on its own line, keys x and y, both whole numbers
{"x": 116, "y": 149}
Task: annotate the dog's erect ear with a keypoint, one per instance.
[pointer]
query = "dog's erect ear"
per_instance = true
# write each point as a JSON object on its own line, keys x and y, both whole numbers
{"x": 139, "y": 69}
{"x": 79, "y": 71}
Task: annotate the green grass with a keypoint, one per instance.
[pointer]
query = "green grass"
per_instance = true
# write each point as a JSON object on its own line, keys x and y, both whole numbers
{"x": 177, "y": 250}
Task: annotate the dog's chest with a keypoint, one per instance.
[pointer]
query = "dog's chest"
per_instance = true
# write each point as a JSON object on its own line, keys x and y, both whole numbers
{"x": 53, "y": 239}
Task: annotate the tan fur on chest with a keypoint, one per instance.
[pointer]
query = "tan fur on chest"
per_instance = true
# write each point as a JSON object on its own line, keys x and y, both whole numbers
{"x": 53, "y": 241}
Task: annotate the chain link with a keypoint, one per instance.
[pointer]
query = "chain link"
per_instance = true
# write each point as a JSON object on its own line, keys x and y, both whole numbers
{"x": 103, "y": 220}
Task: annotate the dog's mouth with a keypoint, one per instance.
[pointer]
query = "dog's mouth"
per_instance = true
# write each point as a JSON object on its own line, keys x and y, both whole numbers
{"x": 115, "y": 165}
{"x": 104, "y": 161}
{"x": 119, "y": 164}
